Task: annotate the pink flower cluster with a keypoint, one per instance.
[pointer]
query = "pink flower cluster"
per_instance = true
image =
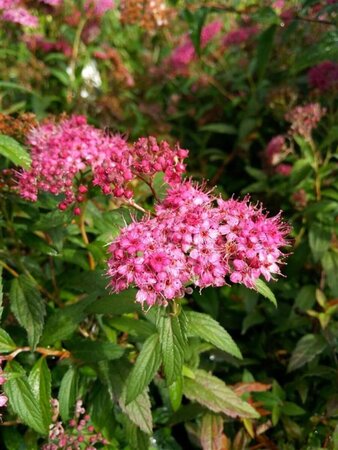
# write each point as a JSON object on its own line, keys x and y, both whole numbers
{"x": 79, "y": 433}
{"x": 304, "y": 119}
{"x": 98, "y": 7}
{"x": 275, "y": 152}
{"x": 185, "y": 53}
{"x": 240, "y": 35}
{"x": 63, "y": 154}
{"x": 18, "y": 14}
{"x": 324, "y": 76}
{"x": 195, "y": 239}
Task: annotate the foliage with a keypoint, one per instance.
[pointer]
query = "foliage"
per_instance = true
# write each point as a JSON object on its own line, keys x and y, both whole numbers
{"x": 253, "y": 98}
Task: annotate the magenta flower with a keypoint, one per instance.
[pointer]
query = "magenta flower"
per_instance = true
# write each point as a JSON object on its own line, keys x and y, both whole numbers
{"x": 240, "y": 35}
{"x": 99, "y": 7}
{"x": 324, "y": 76}
{"x": 275, "y": 150}
{"x": 210, "y": 31}
{"x": 20, "y": 16}
{"x": 195, "y": 239}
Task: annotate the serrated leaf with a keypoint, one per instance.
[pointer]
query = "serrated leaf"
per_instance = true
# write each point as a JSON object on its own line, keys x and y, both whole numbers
{"x": 68, "y": 392}
{"x": 176, "y": 393}
{"x": 211, "y": 431}
{"x": 28, "y": 307}
{"x": 205, "y": 327}
{"x": 6, "y": 342}
{"x": 173, "y": 340}
{"x": 22, "y": 398}
{"x": 264, "y": 290}
{"x": 93, "y": 351}
{"x": 12, "y": 150}
{"x": 39, "y": 380}
{"x": 139, "y": 410}
{"x": 146, "y": 366}
{"x": 212, "y": 392}
{"x": 306, "y": 349}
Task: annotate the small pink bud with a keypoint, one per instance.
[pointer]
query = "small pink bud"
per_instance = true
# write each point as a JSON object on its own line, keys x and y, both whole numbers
{"x": 83, "y": 189}
{"x": 77, "y": 211}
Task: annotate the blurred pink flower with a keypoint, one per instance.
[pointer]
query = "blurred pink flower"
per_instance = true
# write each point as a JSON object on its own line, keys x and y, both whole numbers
{"x": 21, "y": 16}
{"x": 324, "y": 76}
{"x": 304, "y": 119}
{"x": 240, "y": 35}
{"x": 99, "y": 7}
{"x": 284, "y": 169}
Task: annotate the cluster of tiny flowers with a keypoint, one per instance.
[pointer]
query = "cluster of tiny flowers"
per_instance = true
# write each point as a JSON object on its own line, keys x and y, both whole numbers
{"x": 240, "y": 35}
{"x": 62, "y": 154}
{"x": 304, "y": 119}
{"x": 79, "y": 435}
{"x": 324, "y": 76}
{"x": 19, "y": 15}
{"x": 275, "y": 152}
{"x": 37, "y": 42}
{"x": 195, "y": 239}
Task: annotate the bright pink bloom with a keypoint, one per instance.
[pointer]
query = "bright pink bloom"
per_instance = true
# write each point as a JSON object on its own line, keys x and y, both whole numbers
{"x": 196, "y": 239}
{"x": 62, "y": 151}
{"x": 99, "y": 7}
{"x": 324, "y": 76}
{"x": 52, "y": 2}
{"x": 240, "y": 35}
{"x": 305, "y": 118}
{"x": 21, "y": 16}
{"x": 210, "y": 31}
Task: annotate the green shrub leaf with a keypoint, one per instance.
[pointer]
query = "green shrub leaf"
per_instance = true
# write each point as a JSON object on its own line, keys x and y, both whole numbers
{"x": 6, "y": 342}
{"x": 22, "y": 398}
{"x": 147, "y": 364}
{"x": 68, "y": 392}
{"x": 12, "y": 150}
{"x": 39, "y": 380}
{"x": 264, "y": 290}
{"x": 306, "y": 349}
{"x": 28, "y": 307}
{"x": 205, "y": 327}
{"x": 211, "y": 392}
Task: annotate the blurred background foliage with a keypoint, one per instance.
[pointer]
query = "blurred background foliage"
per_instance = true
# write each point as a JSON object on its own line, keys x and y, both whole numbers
{"x": 146, "y": 68}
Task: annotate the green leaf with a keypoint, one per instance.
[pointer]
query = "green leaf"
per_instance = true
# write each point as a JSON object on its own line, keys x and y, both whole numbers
{"x": 146, "y": 366}
{"x": 12, "y": 150}
{"x": 211, "y": 392}
{"x": 39, "y": 380}
{"x": 121, "y": 303}
{"x": 205, "y": 327}
{"x": 173, "y": 340}
{"x": 330, "y": 266}
{"x": 291, "y": 409}
{"x": 63, "y": 322}
{"x": 300, "y": 171}
{"x": 306, "y": 349}
{"x": 135, "y": 327}
{"x": 139, "y": 410}
{"x": 264, "y": 49}
{"x": 319, "y": 239}
{"x": 22, "y": 399}
{"x": 6, "y": 342}
{"x": 68, "y": 392}
{"x": 221, "y": 128}
{"x": 211, "y": 431}
{"x": 263, "y": 289}
{"x": 92, "y": 351}
{"x": 28, "y": 307}
{"x": 176, "y": 393}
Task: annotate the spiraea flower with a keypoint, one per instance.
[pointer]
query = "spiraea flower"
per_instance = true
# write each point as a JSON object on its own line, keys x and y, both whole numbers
{"x": 240, "y": 35}
{"x": 304, "y": 119}
{"x": 21, "y": 16}
{"x": 195, "y": 239}
{"x": 69, "y": 156}
{"x": 275, "y": 150}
